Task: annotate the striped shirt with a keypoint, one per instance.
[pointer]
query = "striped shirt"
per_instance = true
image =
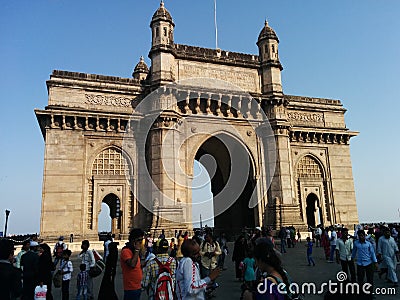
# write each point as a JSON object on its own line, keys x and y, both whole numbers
{"x": 82, "y": 279}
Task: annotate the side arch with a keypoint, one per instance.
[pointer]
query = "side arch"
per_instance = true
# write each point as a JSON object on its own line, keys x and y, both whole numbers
{"x": 110, "y": 171}
{"x": 311, "y": 179}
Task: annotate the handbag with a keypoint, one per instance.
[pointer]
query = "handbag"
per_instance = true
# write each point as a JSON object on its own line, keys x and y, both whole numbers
{"x": 99, "y": 265}
{"x": 57, "y": 279}
{"x": 40, "y": 292}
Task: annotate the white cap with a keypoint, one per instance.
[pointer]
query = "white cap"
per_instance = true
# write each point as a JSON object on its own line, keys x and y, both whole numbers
{"x": 34, "y": 244}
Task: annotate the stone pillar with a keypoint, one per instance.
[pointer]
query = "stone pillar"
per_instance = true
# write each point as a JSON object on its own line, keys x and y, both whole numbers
{"x": 167, "y": 191}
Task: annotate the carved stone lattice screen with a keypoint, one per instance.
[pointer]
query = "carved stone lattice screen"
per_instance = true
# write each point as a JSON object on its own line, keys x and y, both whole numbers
{"x": 110, "y": 162}
{"x": 309, "y": 168}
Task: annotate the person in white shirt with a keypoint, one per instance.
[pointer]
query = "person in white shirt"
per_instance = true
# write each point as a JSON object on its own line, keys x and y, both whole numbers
{"x": 344, "y": 248}
{"x": 387, "y": 250}
{"x": 66, "y": 271}
{"x": 87, "y": 258}
{"x": 189, "y": 285}
{"x": 332, "y": 241}
{"x": 209, "y": 251}
{"x": 106, "y": 243}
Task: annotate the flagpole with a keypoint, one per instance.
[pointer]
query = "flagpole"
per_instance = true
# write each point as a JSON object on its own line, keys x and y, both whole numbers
{"x": 215, "y": 24}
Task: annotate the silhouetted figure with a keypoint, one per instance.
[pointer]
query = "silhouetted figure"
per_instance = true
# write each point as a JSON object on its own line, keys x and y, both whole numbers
{"x": 45, "y": 269}
{"x": 107, "y": 287}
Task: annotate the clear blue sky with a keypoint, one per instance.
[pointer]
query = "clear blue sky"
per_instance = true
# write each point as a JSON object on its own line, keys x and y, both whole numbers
{"x": 347, "y": 50}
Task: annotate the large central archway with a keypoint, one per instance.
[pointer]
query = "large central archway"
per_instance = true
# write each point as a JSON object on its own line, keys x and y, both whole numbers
{"x": 232, "y": 183}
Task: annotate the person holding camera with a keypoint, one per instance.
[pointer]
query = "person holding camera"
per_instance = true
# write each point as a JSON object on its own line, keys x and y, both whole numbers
{"x": 130, "y": 265}
{"x": 209, "y": 251}
{"x": 189, "y": 284}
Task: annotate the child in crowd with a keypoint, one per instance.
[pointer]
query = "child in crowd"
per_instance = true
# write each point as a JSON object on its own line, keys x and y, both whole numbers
{"x": 309, "y": 246}
{"x": 82, "y": 282}
{"x": 66, "y": 271}
{"x": 249, "y": 266}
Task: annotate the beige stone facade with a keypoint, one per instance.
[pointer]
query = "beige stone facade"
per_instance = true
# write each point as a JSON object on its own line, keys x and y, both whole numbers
{"x": 131, "y": 143}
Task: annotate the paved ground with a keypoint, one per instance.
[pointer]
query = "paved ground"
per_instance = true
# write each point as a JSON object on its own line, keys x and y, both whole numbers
{"x": 295, "y": 263}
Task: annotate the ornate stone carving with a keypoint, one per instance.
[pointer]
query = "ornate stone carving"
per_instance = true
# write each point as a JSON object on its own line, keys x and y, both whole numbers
{"x": 108, "y": 100}
{"x": 165, "y": 122}
{"x": 296, "y": 117}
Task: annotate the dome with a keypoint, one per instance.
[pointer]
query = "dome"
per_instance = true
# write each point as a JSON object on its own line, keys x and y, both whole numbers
{"x": 162, "y": 14}
{"x": 267, "y": 33}
{"x": 140, "y": 70}
{"x": 141, "y": 66}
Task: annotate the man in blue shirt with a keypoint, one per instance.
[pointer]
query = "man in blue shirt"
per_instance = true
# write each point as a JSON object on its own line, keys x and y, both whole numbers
{"x": 366, "y": 258}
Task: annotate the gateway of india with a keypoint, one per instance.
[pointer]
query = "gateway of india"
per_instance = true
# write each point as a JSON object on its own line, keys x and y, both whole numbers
{"x": 276, "y": 159}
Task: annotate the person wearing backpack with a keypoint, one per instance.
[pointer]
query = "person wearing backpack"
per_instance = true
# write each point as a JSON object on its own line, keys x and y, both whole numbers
{"x": 58, "y": 250}
{"x": 159, "y": 274}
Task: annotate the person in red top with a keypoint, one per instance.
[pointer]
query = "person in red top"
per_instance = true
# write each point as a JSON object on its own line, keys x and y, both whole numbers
{"x": 130, "y": 264}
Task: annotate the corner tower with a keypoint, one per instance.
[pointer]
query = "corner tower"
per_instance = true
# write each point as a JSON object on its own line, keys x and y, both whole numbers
{"x": 270, "y": 65}
{"x": 162, "y": 44}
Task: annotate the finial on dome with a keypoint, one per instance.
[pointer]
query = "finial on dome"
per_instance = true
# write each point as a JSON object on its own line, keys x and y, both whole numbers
{"x": 266, "y": 22}
{"x": 162, "y": 3}
{"x": 141, "y": 70}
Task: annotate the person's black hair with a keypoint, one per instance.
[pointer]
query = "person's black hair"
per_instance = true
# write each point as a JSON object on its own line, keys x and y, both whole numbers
{"x": 360, "y": 232}
{"x": 163, "y": 246}
{"x": 46, "y": 249}
{"x": 82, "y": 267}
{"x": 187, "y": 247}
{"x": 266, "y": 253}
{"x": 135, "y": 233}
{"x": 6, "y": 248}
{"x": 86, "y": 242}
{"x": 67, "y": 252}
{"x": 197, "y": 239}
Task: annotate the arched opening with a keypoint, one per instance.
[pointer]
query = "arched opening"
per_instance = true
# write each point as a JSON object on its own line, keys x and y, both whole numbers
{"x": 109, "y": 173}
{"x": 311, "y": 177}
{"x": 232, "y": 183}
{"x": 104, "y": 218}
{"x": 313, "y": 210}
{"x": 114, "y": 204}
{"x": 202, "y": 197}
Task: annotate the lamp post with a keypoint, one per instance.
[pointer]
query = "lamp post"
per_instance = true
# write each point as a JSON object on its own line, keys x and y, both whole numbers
{"x": 5, "y": 227}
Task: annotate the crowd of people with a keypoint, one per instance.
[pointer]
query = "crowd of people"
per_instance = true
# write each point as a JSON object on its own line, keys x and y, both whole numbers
{"x": 185, "y": 267}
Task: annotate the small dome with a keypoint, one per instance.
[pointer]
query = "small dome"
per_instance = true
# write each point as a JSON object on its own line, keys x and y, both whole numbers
{"x": 267, "y": 33}
{"x": 141, "y": 66}
{"x": 162, "y": 14}
{"x": 141, "y": 70}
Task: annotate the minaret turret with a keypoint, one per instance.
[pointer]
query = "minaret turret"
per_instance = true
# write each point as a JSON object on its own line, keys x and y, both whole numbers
{"x": 162, "y": 45}
{"x": 271, "y": 67}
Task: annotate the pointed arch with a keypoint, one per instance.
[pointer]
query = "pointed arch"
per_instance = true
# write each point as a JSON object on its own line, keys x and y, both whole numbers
{"x": 109, "y": 162}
